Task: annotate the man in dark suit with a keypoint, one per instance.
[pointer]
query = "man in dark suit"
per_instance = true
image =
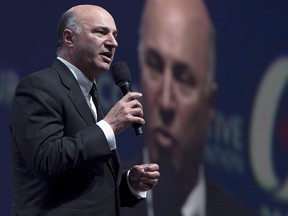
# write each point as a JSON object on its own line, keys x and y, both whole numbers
{"x": 64, "y": 154}
{"x": 176, "y": 53}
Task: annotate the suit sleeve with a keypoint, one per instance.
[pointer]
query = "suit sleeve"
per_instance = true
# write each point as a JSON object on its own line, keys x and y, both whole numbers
{"x": 39, "y": 126}
{"x": 127, "y": 197}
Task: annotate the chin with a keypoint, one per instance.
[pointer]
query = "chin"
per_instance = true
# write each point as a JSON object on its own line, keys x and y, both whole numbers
{"x": 106, "y": 65}
{"x": 103, "y": 66}
{"x": 104, "y": 70}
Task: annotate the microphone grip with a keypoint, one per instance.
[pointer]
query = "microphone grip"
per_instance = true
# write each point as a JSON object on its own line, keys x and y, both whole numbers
{"x": 138, "y": 129}
{"x": 125, "y": 88}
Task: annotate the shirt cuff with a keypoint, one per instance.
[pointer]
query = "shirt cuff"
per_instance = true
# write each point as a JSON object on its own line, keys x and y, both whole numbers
{"x": 109, "y": 133}
{"x": 140, "y": 194}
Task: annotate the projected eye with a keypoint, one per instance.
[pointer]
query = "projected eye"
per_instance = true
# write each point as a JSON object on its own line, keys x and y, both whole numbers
{"x": 154, "y": 61}
{"x": 183, "y": 75}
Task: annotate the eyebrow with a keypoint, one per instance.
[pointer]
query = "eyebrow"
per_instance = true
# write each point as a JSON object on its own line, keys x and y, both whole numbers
{"x": 154, "y": 52}
{"x": 176, "y": 65}
{"x": 115, "y": 32}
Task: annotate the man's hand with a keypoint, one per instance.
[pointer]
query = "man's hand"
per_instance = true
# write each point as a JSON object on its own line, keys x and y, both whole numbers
{"x": 144, "y": 177}
{"x": 125, "y": 112}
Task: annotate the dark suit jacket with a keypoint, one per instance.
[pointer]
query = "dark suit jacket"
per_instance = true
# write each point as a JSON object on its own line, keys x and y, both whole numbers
{"x": 61, "y": 160}
{"x": 218, "y": 203}
{"x": 221, "y": 203}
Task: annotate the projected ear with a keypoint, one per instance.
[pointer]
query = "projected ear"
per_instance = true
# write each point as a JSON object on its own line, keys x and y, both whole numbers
{"x": 212, "y": 98}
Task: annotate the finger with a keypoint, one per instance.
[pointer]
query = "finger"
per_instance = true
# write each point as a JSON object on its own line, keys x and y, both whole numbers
{"x": 135, "y": 104}
{"x": 137, "y": 112}
{"x": 132, "y": 95}
{"x": 152, "y": 175}
{"x": 149, "y": 181}
{"x": 150, "y": 167}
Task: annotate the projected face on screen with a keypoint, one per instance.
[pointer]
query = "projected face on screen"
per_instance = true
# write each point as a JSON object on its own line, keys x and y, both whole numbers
{"x": 174, "y": 57}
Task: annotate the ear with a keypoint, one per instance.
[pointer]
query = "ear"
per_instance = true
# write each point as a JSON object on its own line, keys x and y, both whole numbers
{"x": 212, "y": 99}
{"x": 68, "y": 37}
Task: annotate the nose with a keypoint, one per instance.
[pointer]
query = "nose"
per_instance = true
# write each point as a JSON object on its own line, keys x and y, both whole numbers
{"x": 111, "y": 41}
{"x": 167, "y": 98}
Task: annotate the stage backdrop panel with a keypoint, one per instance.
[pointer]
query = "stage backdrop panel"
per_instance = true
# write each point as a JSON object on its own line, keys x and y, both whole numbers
{"x": 247, "y": 149}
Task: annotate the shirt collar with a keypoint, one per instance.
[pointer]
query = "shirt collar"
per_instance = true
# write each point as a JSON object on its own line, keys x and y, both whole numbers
{"x": 84, "y": 83}
{"x": 195, "y": 202}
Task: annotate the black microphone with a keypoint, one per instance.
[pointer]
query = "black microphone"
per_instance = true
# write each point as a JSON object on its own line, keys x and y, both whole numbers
{"x": 122, "y": 78}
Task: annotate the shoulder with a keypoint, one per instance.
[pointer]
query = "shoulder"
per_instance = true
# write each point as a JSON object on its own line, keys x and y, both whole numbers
{"x": 48, "y": 78}
{"x": 39, "y": 78}
{"x": 221, "y": 202}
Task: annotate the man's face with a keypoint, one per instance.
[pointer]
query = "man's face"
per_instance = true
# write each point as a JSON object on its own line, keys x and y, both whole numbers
{"x": 177, "y": 99}
{"x": 95, "y": 46}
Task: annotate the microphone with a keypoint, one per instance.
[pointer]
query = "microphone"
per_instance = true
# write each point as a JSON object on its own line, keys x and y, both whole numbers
{"x": 122, "y": 78}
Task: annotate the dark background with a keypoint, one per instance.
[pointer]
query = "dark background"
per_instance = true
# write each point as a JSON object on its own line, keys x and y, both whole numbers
{"x": 251, "y": 38}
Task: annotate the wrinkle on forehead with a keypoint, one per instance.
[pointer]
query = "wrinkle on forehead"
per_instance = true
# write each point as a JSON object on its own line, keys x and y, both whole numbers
{"x": 85, "y": 13}
{"x": 85, "y": 9}
{"x": 175, "y": 14}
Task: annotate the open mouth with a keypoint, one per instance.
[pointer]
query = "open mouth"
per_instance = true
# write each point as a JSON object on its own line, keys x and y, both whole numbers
{"x": 164, "y": 138}
{"x": 107, "y": 56}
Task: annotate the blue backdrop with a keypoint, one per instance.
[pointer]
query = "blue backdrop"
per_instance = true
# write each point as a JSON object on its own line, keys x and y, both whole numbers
{"x": 248, "y": 142}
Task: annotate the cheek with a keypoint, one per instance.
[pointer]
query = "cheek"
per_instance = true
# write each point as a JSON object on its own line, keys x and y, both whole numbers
{"x": 85, "y": 52}
{"x": 92, "y": 47}
{"x": 191, "y": 138}
{"x": 191, "y": 122}
{"x": 150, "y": 111}
{"x": 185, "y": 126}
{"x": 150, "y": 91}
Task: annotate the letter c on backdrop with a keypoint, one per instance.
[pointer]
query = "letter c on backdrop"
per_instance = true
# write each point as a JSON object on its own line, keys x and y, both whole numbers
{"x": 262, "y": 127}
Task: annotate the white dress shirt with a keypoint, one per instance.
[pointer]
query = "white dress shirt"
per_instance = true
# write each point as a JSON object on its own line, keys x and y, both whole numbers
{"x": 196, "y": 201}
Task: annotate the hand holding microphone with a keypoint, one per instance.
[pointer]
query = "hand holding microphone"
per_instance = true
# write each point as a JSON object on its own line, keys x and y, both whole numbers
{"x": 127, "y": 110}
{"x": 122, "y": 78}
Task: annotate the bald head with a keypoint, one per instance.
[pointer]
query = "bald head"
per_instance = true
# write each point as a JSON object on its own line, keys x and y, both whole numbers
{"x": 83, "y": 12}
{"x": 84, "y": 9}
{"x": 175, "y": 12}
{"x": 184, "y": 25}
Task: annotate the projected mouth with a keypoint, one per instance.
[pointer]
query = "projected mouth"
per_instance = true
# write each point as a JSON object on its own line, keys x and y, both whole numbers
{"x": 164, "y": 138}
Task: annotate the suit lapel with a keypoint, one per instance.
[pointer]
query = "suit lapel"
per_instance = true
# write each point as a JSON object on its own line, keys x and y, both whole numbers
{"x": 75, "y": 94}
{"x": 81, "y": 105}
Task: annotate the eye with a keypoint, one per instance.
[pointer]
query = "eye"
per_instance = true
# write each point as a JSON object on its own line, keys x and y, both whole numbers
{"x": 101, "y": 31}
{"x": 154, "y": 61}
{"x": 184, "y": 75}
{"x": 115, "y": 34}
